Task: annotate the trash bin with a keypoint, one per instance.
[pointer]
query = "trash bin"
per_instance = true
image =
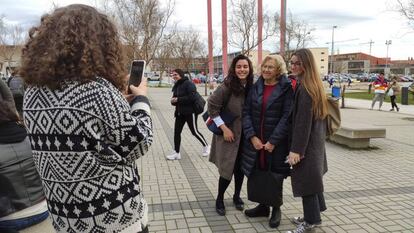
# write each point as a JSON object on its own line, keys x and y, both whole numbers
{"x": 336, "y": 92}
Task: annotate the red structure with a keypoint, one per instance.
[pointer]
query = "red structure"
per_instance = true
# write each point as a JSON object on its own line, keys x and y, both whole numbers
{"x": 282, "y": 26}
{"x": 259, "y": 30}
{"x": 224, "y": 35}
{"x": 210, "y": 41}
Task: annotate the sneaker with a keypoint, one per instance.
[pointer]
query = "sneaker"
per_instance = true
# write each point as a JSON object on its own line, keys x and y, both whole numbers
{"x": 391, "y": 109}
{"x": 304, "y": 227}
{"x": 174, "y": 156}
{"x": 299, "y": 220}
{"x": 398, "y": 109}
{"x": 206, "y": 150}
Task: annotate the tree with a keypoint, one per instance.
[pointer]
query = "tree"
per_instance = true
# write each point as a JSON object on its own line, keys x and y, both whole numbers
{"x": 243, "y": 25}
{"x": 142, "y": 24}
{"x": 11, "y": 40}
{"x": 406, "y": 8}
{"x": 298, "y": 34}
{"x": 187, "y": 46}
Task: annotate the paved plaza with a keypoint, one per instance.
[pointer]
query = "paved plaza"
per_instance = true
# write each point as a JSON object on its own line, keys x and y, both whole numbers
{"x": 370, "y": 190}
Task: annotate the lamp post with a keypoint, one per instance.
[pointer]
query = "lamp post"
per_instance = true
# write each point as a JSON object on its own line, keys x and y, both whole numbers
{"x": 332, "y": 49}
{"x": 387, "y": 42}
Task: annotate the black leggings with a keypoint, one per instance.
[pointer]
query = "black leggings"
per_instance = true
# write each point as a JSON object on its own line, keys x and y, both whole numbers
{"x": 393, "y": 102}
{"x": 191, "y": 120}
{"x": 238, "y": 179}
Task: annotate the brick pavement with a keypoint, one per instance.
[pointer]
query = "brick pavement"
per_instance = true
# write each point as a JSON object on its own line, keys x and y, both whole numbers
{"x": 368, "y": 190}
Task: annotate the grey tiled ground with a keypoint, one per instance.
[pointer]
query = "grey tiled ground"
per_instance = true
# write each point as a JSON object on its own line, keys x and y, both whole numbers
{"x": 366, "y": 190}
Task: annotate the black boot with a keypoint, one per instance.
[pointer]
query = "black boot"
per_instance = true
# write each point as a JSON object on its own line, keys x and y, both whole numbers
{"x": 275, "y": 218}
{"x": 220, "y": 209}
{"x": 258, "y": 211}
{"x": 238, "y": 203}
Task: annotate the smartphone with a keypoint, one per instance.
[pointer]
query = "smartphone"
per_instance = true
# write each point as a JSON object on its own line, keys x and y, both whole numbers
{"x": 137, "y": 72}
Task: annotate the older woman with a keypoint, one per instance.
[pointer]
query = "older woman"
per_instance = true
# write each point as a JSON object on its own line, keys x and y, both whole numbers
{"x": 84, "y": 134}
{"x": 265, "y": 118}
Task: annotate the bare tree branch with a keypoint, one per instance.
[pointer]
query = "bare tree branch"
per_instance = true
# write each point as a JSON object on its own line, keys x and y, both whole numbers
{"x": 406, "y": 9}
{"x": 244, "y": 27}
{"x": 143, "y": 24}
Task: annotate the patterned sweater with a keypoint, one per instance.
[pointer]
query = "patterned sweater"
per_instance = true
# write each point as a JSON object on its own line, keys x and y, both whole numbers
{"x": 85, "y": 139}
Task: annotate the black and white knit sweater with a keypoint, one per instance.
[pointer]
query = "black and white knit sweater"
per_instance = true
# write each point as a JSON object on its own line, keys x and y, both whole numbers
{"x": 85, "y": 139}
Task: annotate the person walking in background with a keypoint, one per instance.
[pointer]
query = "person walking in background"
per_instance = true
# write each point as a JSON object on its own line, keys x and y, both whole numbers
{"x": 22, "y": 201}
{"x": 183, "y": 99}
{"x": 265, "y": 127}
{"x": 380, "y": 85}
{"x": 393, "y": 90}
{"x": 85, "y": 135}
{"x": 226, "y": 149}
{"x": 307, "y": 140}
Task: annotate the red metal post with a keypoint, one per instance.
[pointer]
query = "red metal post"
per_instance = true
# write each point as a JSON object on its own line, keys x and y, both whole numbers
{"x": 259, "y": 30}
{"x": 224, "y": 35}
{"x": 210, "y": 42}
{"x": 282, "y": 26}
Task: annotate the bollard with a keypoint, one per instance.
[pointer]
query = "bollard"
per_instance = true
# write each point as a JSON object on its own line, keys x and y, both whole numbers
{"x": 369, "y": 88}
{"x": 404, "y": 96}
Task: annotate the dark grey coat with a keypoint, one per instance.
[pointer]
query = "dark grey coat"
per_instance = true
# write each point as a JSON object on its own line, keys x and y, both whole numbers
{"x": 307, "y": 139}
{"x": 223, "y": 154}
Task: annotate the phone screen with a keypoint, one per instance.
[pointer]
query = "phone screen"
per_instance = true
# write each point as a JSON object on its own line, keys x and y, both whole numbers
{"x": 137, "y": 71}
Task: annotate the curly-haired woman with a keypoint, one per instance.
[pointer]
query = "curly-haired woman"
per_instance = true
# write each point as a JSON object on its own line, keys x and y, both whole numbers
{"x": 84, "y": 134}
{"x": 226, "y": 149}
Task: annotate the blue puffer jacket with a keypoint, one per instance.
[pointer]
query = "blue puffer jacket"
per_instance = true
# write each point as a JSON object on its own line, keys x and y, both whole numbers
{"x": 273, "y": 124}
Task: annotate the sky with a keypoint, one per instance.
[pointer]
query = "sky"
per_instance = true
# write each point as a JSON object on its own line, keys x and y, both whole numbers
{"x": 357, "y": 21}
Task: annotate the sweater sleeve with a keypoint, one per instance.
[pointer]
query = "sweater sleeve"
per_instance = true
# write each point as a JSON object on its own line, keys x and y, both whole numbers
{"x": 302, "y": 123}
{"x": 129, "y": 132}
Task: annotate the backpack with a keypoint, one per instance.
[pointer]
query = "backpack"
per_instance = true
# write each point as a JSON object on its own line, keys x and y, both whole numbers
{"x": 199, "y": 103}
{"x": 16, "y": 86}
{"x": 333, "y": 119}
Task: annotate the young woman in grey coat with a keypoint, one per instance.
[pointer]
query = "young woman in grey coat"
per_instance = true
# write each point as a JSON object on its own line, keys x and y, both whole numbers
{"x": 307, "y": 151}
{"x": 225, "y": 149}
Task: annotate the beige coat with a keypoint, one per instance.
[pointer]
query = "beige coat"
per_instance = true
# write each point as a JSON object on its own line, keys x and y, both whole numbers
{"x": 223, "y": 154}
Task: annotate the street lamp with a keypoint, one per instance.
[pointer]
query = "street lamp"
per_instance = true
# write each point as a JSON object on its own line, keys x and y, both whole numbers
{"x": 387, "y": 42}
{"x": 332, "y": 52}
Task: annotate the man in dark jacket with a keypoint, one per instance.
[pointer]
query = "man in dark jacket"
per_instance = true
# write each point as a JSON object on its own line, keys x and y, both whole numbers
{"x": 183, "y": 99}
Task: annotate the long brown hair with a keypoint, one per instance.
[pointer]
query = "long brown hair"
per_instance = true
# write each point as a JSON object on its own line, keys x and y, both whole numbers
{"x": 76, "y": 43}
{"x": 312, "y": 83}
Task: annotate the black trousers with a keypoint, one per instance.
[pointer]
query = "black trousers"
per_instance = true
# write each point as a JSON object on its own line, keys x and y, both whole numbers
{"x": 191, "y": 120}
{"x": 393, "y": 103}
{"x": 313, "y": 205}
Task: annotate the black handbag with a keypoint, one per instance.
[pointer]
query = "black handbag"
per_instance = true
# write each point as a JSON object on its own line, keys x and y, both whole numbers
{"x": 199, "y": 103}
{"x": 265, "y": 187}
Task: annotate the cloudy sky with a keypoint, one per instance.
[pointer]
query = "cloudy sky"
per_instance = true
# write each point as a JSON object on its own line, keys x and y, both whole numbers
{"x": 357, "y": 21}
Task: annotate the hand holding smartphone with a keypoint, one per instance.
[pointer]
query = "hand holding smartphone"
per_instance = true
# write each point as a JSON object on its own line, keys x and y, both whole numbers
{"x": 137, "y": 72}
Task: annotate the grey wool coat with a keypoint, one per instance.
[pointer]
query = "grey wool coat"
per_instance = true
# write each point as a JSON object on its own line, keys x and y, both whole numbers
{"x": 223, "y": 154}
{"x": 307, "y": 139}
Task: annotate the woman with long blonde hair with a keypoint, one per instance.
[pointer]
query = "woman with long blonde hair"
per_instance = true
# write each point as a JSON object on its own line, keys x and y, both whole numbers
{"x": 307, "y": 140}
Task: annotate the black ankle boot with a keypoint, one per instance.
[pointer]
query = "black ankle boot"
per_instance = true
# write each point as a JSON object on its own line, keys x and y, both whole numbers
{"x": 258, "y": 211}
{"x": 275, "y": 218}
{"x": 238, "y": 203}
{"x": 220, "y": 209}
